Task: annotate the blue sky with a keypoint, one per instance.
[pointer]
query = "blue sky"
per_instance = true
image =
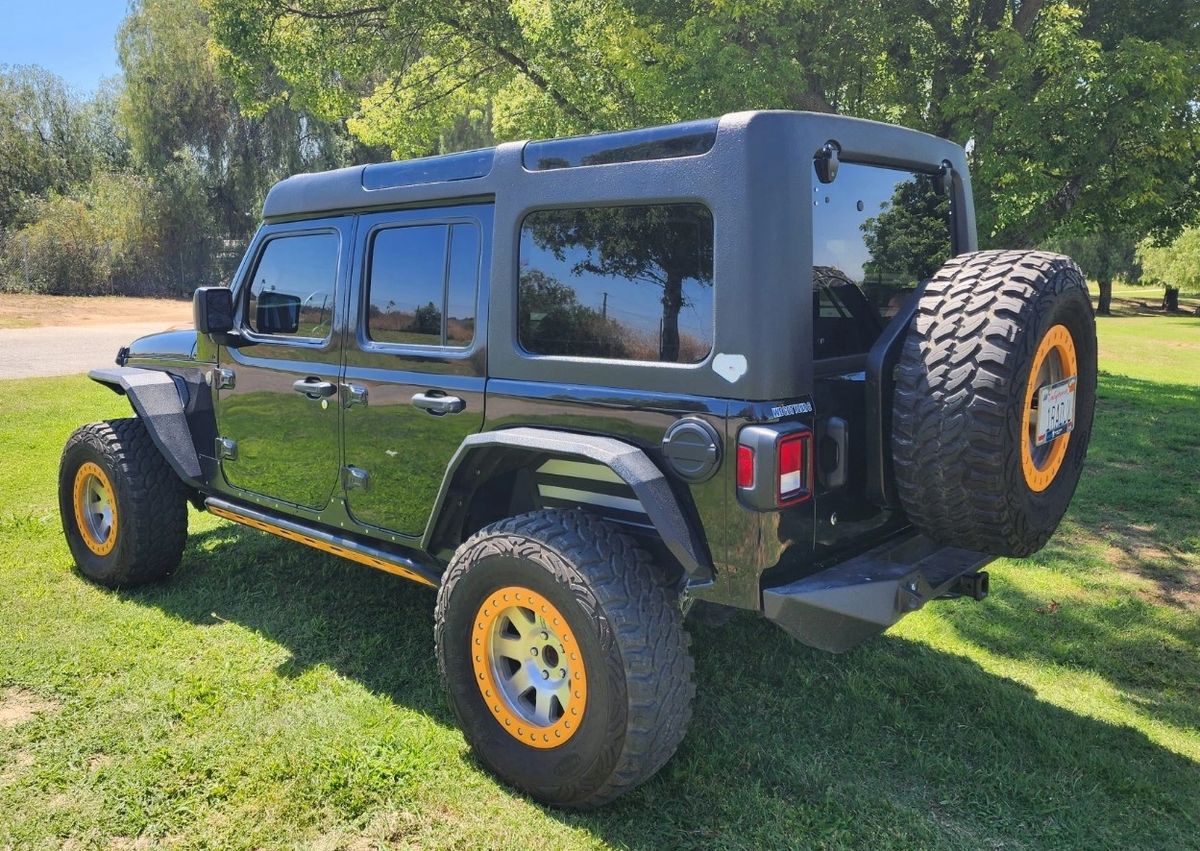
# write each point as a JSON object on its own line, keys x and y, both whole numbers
{"x": 74, "y": 39}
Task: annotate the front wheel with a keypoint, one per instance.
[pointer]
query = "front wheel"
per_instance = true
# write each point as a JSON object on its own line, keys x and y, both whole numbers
{"x": 124, "y": 511}
{"x": 564, "y": 656}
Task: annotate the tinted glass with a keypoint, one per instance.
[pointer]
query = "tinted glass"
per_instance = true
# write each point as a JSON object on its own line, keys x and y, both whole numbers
{"x": 407, "y": 285}
{"x": 877, "y": 233}
{"x": 618, "y": 282}
{"x": 462, "y": 284}
{"x": 292, "y": 289}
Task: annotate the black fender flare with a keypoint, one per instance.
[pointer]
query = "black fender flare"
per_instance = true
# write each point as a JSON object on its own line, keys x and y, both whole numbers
{"x": 481, "y": 456}
{"x": 160, "y": 400}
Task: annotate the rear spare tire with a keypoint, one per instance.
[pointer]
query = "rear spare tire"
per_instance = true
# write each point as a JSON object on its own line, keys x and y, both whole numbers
{"x": 991, "y": 331}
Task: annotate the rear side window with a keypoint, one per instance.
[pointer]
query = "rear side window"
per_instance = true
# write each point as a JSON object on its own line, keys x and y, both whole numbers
{"x": 422, "y": 283}
{"x": 877, "y": 233}
{"x": 291, "y": 292}
{"x": 627, "y": 283}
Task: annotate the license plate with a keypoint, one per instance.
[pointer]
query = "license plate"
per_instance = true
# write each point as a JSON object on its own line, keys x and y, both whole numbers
{"x": 1056, "y": 411}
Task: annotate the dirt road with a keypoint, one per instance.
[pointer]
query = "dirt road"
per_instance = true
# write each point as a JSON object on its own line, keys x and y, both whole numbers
{"x": 56, "y": 335}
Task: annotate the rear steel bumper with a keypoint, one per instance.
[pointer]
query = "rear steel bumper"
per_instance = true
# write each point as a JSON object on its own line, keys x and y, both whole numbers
{"x": 842, "y": 606}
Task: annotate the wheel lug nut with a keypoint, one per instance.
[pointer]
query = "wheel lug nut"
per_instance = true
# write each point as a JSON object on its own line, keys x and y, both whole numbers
{"x": 545, "y": 636}
{"x": 533, "y": 650}
{"x": 545, "y": 674}
{"x": 562, "y": 672}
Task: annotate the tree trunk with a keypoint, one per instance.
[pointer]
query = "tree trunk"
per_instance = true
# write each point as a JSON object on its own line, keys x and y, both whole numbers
{"x": 672, "y": 301}
{"x": 1170, "y": 302}
{"x": 1105, "y": 308}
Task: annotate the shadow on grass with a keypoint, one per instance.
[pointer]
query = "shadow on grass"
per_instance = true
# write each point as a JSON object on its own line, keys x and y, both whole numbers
{"x": 892, "y": 745}
{"x": 788, "y": 746}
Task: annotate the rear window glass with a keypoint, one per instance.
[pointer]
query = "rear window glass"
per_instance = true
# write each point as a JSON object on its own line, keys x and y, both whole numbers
{"x": 625, "y": 283}
{"x": 877, "y": 234}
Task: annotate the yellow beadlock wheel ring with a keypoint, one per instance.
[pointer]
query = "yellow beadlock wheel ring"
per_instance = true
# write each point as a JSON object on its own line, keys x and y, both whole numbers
{"x": 95, "y": 508}
{"x": 1055, "y": 360}
{"x": 528, "y": 667}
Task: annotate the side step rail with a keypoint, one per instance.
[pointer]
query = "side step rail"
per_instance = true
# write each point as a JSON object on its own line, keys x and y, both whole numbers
{"x": 320, "y": 539}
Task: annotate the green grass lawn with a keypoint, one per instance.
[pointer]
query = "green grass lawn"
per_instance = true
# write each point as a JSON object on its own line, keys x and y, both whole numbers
{"x": 273, "y": 697}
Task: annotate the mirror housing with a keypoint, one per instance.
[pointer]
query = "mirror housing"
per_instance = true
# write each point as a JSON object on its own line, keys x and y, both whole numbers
{"x": 277, "y": 313}
{"x": 212, "y": 310}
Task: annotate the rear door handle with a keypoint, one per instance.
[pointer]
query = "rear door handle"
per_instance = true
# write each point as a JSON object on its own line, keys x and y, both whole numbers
{"x": 315, "y": 388}
{"x": 439, "y": 404}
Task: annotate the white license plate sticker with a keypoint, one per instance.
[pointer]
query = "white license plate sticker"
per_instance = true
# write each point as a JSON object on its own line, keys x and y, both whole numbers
{"x": 1056, "y": 410}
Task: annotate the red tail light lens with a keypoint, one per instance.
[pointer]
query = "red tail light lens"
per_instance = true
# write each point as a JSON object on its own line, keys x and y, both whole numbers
{"x": 795, "y": 468}
{"x": 745, "y": 467}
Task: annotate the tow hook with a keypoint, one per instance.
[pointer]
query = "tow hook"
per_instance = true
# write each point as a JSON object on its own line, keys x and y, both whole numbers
{"x": 973, "y": 585}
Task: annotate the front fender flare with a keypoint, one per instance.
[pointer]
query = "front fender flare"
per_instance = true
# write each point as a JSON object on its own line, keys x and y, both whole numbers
{"x": 159, "y": 401}
{"x": 483, "y": 455}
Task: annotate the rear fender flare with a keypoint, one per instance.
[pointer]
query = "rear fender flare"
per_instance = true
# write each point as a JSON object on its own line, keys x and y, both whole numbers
{"x": 482, "y": 456}
{"x": 159, "y": 399}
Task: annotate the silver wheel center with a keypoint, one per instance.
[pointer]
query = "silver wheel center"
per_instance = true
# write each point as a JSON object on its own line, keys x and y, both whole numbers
{"x": 530, "y": 666}
{"x": 97, "y": 508}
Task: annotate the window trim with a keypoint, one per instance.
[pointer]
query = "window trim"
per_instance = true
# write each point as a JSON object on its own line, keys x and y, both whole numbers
{"x": 442, "y": 350}
{"x": 525, "y": 354}
{"x": 243, "y": 296}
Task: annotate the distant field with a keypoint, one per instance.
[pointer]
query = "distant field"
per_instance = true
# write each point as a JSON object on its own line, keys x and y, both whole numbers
{"x": 18, "y": 310}
{"x": 272, "y": 697}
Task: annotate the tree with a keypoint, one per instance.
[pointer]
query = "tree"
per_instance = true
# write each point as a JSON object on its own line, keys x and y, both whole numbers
{"x": 46, "y": 141}
{"x": 1176, "y": 264}
{"x": 1082, "y": 116}
{"x": 182, "y": 118}
{"x": 1103, "y": 257}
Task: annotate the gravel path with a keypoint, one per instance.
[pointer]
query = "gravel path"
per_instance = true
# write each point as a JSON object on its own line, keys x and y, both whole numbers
{"x": 31, "y": 352}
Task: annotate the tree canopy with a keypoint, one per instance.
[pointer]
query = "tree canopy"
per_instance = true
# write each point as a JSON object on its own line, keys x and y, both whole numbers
{"x": 1081, "y": 116}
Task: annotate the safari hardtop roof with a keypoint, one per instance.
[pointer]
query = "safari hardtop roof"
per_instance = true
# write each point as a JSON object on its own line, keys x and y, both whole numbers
{"x": 489, "y": 171}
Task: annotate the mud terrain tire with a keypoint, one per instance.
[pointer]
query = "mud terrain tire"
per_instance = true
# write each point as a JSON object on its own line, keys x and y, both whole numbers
{"x": 609, "y": 620}
{"x": 991, "y": 329}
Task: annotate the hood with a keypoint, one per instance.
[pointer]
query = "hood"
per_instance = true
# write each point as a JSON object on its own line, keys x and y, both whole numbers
{"x": 178, "y": 343}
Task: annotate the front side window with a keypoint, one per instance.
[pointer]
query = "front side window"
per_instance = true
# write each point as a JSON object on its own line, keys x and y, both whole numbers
{"x": 291, "y": 292}
{"x": 626, "y": 283}
{"x": 422, "y": 283}
{"x": 877, "y": 234}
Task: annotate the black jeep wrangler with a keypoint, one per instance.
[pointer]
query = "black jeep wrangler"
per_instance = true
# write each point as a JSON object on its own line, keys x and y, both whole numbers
{"x": 579, "y": 385}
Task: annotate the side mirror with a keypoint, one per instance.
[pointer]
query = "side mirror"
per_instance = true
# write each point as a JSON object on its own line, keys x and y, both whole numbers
{"x": 212, "y": 309}
{"x": 277, "y": 313}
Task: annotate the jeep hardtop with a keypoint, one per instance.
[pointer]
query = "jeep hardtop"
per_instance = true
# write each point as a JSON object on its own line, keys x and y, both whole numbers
{"x": 581, "y": 386}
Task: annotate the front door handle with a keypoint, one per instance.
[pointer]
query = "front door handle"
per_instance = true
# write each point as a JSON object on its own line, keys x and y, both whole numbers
{"x": 315, "y": 388}
{"x": 439, "y": 404}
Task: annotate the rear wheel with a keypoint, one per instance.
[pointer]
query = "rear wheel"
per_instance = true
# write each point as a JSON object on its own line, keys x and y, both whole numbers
{"x": 124, "y": 511}
{"x": 564, "y": 657}
{"x": 992, "y": 332}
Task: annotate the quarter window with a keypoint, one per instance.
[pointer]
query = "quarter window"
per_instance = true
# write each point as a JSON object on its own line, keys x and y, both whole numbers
{"x": 629, "y": 283}
{"x": 292, "y": 290}
{"x": 422, "y": 285}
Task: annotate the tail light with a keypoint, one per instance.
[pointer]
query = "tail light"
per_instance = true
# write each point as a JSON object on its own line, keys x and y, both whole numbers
{"x": 774, "y": 466}
{"x": 745, "y": 467}
{"x": 795, "y": 467}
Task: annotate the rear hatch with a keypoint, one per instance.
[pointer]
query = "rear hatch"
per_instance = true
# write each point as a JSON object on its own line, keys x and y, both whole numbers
{"x": 878, "y": 234}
